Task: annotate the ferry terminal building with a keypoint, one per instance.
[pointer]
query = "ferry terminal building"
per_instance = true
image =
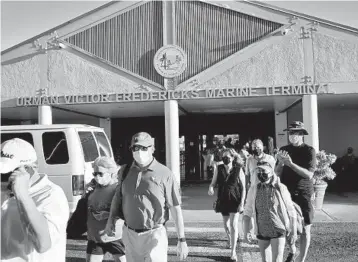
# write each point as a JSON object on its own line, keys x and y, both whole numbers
{"x": 246, "y": 68}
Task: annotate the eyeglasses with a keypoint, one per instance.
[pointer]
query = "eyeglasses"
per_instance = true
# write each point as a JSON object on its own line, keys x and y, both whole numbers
{"x": 141, "y": 148}
{"x": 295, "y": 133}
{"x": 98, "y": 174}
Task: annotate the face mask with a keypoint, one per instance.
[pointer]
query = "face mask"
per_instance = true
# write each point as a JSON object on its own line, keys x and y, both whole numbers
{"x": 294, "y": 139}
{"x": 142, "y": 157}
{"x": 256, "y": 152}
{"x": 226, "y": 160}
{"x": 103, "y": 181}
{"x": 263, "y": 177}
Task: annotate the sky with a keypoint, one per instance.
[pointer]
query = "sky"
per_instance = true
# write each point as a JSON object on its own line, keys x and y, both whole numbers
{"x": 22, "y": 20}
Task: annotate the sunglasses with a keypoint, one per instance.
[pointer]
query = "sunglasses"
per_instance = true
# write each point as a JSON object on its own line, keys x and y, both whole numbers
{"x": 141, "y": 148}
{"x": 100, "y": 174}
{"x": 299, "y": 133}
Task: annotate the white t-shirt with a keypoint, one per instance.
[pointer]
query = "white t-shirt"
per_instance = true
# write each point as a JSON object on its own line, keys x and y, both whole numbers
{"x": 251, "y": 164}
{"x": 16, "y": 246}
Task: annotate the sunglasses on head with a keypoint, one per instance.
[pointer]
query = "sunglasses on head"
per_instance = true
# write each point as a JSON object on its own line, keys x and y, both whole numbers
{"x": 100, "y": 174}
{"x": 138, "y": 147}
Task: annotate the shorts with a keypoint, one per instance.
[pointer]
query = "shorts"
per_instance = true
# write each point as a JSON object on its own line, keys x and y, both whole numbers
{"x": 278, "y": 235}
{"x": 305, "y": 203}
{"x": 115, "y": 248}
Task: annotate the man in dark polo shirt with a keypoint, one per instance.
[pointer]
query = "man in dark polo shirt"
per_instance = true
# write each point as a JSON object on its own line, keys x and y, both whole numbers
{"x": 147, "y": 193}
{"x": 296, "y": 164}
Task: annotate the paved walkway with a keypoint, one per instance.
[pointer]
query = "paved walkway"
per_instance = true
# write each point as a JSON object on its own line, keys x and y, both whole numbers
{"x": 197, "y": 207}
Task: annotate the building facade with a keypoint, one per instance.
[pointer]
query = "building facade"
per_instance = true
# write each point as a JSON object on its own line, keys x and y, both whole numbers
{"x": 250, "y": 69}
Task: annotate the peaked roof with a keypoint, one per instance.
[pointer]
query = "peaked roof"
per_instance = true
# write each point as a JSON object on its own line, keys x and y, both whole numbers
{"x": 302, "y": 15}
{"x": 254, "y": 3}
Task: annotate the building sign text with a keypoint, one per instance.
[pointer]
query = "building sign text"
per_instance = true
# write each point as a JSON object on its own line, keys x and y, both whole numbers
{"x": 173, "y": 95}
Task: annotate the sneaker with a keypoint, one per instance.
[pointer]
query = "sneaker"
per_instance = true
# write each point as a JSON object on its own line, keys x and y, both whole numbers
{"x": 290, "y": 257}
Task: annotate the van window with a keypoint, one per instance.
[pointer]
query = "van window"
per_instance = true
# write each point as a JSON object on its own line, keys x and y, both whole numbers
{"x": 25, "y": 136}
{"x": 89, "y": 146}
{"x": 104, "y": 148}
{"x": 55, "y": 148}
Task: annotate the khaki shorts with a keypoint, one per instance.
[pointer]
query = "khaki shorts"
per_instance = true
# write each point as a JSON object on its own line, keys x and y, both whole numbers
{"x": 148, "y": 246}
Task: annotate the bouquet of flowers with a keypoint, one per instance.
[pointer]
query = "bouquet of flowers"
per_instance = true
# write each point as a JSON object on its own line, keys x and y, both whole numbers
{"x": 323, "y": 170}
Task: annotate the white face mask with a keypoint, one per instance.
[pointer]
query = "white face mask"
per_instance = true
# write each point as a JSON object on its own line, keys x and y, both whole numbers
{"x": 294, "y": 139}
{"x": 142, "y": 157}
{"x": 103, "y": 181}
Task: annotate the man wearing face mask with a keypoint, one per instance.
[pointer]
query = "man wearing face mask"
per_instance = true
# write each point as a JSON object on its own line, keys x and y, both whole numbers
{"x": 296, "y": 165}
{"x": 258, "y": 155}
{"x": 144, "y": 197}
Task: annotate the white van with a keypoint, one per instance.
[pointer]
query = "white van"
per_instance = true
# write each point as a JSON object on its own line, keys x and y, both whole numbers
{"x": 65, "y": 153}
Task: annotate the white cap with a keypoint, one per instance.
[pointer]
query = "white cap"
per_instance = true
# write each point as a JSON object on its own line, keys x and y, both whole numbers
{"x": 15, "y": 153}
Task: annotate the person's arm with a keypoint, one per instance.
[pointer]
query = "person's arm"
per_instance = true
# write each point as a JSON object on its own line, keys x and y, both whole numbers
{"x": 178, "y": 219}
{"x": 248, "y": 172}
{"x": 279, "y": 164}
{"x": 173, "y": 202}
{"x": 116, "y": 206}
{"x": 279, "y": 168}
{"x": 304, "y": 172}
{"x": 34, "y": 221}
{"x": 300, "y": 170}
{"x": 215, "y": 176}
{"x": 242, "y": 181}
{"x": 114, "y": 212}
{"x": 248, "y": 212}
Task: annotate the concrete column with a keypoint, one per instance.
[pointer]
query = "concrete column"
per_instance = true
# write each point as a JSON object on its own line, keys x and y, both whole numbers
{"x": 172, "y": 137}
{"x": 105, "y": 123}
{"x": 280, "y": 125}
{"x": 310, "y": 120}
{"x": 45, "y": 115}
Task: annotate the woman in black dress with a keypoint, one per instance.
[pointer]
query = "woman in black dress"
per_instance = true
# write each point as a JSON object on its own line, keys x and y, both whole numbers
{"x": 230, "y": 179}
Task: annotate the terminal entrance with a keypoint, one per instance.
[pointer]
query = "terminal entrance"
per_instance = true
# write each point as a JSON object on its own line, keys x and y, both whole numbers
{"x": 197, "y": 133}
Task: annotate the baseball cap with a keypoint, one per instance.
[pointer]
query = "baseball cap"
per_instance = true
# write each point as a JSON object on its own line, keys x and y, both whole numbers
{"x": 142, "y": 139}
{"x": 266, "y": 166}
{"x": 15, "y": 153}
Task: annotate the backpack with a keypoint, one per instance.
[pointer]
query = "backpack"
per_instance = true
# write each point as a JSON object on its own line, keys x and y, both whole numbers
{"x": 299, "y": 216}
{"x": 124, "y": 175}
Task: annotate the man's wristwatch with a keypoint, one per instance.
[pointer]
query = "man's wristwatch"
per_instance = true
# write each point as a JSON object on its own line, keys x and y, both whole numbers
{"x": 182, "y": 239}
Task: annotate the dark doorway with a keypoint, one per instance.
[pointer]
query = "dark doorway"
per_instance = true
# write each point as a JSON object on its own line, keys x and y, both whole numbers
{"x": 195, "y": 130}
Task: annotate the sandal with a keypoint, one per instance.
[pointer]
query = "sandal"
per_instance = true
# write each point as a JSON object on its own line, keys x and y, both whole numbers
{"x": 234, "y": 258}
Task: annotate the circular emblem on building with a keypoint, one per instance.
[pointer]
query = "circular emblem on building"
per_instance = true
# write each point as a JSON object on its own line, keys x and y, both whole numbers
{"x": 170, "y": 61}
